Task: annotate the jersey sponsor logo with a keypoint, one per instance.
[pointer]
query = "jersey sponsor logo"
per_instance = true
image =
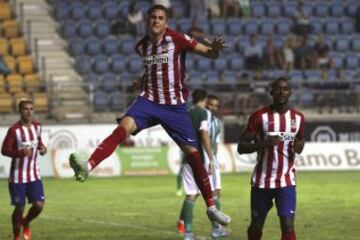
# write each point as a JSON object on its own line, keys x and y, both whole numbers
{"x": 156, "y": 59}
{"x": 29, "y": 144}
{"x": 284, "y": 136}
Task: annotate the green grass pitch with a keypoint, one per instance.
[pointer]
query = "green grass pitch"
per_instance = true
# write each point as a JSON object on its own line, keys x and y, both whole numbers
{"x": 146, "y": 208}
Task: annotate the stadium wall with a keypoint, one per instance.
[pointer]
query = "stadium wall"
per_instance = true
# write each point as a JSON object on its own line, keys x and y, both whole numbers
{"x": 155, "y": 153}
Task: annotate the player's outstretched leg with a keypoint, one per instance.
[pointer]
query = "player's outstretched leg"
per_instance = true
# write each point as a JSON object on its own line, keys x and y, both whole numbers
{"x": 78, "y": 162}
{"x": 216, "y": 215}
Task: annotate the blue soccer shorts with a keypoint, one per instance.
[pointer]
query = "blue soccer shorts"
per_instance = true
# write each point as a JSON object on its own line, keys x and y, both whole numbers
{"x": 33, "y": 191}
{"x": 174, "y": 119}
{"x": 262, "y": 202}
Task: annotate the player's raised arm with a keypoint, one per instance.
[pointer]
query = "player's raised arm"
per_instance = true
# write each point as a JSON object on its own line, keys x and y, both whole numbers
{"x": 212, "y": 49}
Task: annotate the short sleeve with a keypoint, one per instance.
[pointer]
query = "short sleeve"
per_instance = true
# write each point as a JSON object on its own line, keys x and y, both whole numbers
{"x": 185, "y": 42}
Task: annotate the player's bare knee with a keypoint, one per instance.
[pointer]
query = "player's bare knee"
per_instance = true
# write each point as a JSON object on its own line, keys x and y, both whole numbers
{"x": 39, "y": 206}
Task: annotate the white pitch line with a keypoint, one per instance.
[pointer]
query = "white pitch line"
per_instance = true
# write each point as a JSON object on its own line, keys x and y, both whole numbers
{"x": 116, "y": 224}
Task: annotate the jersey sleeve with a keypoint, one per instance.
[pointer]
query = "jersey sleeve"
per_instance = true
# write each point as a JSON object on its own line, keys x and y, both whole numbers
{"x": 185, "y": 42}
{"x": 301, "y": 132}
{"x": 9, "y": 147}
{"x": 253, "y": 126}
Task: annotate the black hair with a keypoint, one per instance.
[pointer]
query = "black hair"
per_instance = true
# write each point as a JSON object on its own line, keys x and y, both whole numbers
{"x": 158, "y": 7}
{"x": 198, "y": 95}
{"x": 277, "y": 80}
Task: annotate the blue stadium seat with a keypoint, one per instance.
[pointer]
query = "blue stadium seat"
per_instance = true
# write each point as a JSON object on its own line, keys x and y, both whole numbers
{"x": 203, "y": 64}
{"x": 118, "y": 63}
{"x": 233, "y": 26}
{"x": 243, "y": 41}
{"x": 68, "y": 29}
{"x": 94, "y": 11}
{"x": 123, "y": 8}
{"x": 217, "y": 26}
{"x": 307, "y": 98}
{"x": 296, "y": 78}
{"x": 110, "y": 46}
{"x": 219, "y": 64}
{"x": 235, "y": 62}
{"x": 172, "y": 23}
{"x": 92, "y": 78}
{"x": 212, "y": 77}
{"x": 127, "y": 45}
{"x": 278, "y": 41}
{"x": 196, "y": 77}
{"x": 312, "y": 75}
{"x": 250, "y": 27}
{"x": 134, "y": 64}
{"x": 230, "y": 43}
{"x": 101, "y": 64}
{"x": 127, "y": 78}
{"x": 337, "y": 9}
{"x": 267, "y": 27}
{"x": 346, "y": 26}
{"x": 83, "y": 64}
{"x": 180, "y": 9}
{"x": 76, "y": 46}
{"x": 230, "y": 77}
{"x": 109, "y": 82}
{"x": 321, "y": 9}
{"x": 338, "y": 59}
{"x": 77, "y": 12}
{"x": 257, "y": 10}
{"x": 190, "y": 62}
{"x": 85, "y": 28}
{"x": 355, "y": 43}
{"x": 110, "y": 11}
{"x": 102, "y": 28}
{"x": 184, "y": 24}
{"x": 289, "y": 9}
{"x": 342, "y": 43}
{"x": 144, "y": 5}
{"x": 307, "y": 9}
{"x": 61, "y": 12}
{"x": 117, "y": 101}
{"x": 93, "y": 46}
{"x": 352, "y": 61}
{"x": 101, "y": 100}
{"x": 204, "y": 25}
{"x": 273, "y": 10}
{"x": 283, "y": 26}
{"x": 331, "y": 26}
{"x": 317, "y": 25}
{"x": 351, "y": 8}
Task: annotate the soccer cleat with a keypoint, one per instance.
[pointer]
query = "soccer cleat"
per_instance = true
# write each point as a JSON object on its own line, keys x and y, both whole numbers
{"x": 189, "y": 236}
{"x": 218, "y": 232}
{"x": 181, "y": 227}
{"x": 216, "y": 215}
{"x": 27, "y": 233}
{"x": 79, "y": 165}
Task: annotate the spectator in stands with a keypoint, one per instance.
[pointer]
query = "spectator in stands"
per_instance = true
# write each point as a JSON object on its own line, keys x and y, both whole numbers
{"x": 4, "y": 70}
{"x": 198, "y": 10}
{"x": 135, "y": 20}
{"x": 230, "y": 8}
{"x": 304, "y": 54}
{"x": 288, "y": 53}
{"x": 302, "y": 24}
{"x": 322, "y": 57}
{"x": 271, "y": 54}
{"x": 357, "y": 20}
{"x": 213, "y": 8}
{"x": 253, "y": 54}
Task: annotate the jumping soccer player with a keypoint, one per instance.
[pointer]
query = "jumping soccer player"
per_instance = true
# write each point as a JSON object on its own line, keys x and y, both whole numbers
{"x": 161, "y": 101}
{"x": 23, "y": 143}
{"x": 276, "y": 133}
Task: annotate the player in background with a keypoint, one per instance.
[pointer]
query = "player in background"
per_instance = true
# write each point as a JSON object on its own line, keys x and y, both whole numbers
{"x": 213, "y": 105}
{"x": 201, "y": 120}
{"x": 161, "y": 101}
{"x": 23, "y": 144}
{"x": 276, "y": 133}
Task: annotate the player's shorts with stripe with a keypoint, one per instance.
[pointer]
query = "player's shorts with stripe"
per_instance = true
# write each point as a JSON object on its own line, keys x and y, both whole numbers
{"x": 33, "y": 191}
{"x": 173, "y": 118}
{"x": 262, "y": 202}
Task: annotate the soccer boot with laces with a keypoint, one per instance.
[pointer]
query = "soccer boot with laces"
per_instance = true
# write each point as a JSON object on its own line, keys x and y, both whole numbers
{"x": 216, "y": 215}
{"x": 78, "y": 162}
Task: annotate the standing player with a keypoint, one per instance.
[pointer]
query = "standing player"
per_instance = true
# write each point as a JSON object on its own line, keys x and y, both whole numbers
{"x": 23, "y": 143}
{"x": 201, "y": 120}
{"x": 161, "y": 101}
{"x": 276, "y": 133}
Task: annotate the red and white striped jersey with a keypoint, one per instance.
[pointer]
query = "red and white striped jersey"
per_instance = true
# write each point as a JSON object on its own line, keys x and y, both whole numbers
{"x": 23, "y": 169}
{"x": 163, "y": 79}
{"x": 275, "y": 166}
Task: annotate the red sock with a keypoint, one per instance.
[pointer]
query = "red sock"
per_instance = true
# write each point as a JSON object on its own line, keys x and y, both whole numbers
{"x": 108, "y": 146}
{"x": 288, "y": 236}
{"x": 254, "y": 234}
{"x": 201, "y": 177}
